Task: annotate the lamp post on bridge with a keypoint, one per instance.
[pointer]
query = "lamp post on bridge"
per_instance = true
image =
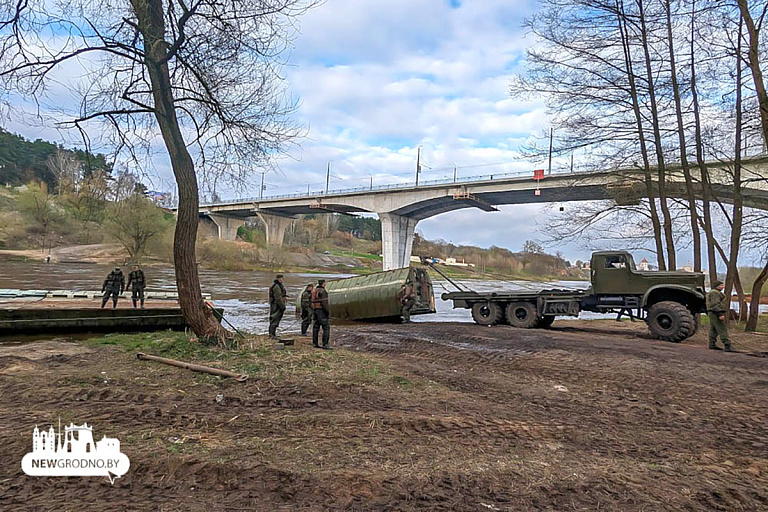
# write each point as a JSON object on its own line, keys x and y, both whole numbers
{"x": 418, "y": 164}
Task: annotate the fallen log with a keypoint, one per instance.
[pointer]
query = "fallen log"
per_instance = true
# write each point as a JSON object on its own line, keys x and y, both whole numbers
{"x": 239, "y": 377}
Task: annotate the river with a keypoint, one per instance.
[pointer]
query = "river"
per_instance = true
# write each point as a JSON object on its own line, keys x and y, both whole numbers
{"x": 242, "y": 294}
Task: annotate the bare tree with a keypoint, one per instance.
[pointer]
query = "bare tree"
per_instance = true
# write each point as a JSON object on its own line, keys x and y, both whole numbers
{"x": 753, "y": 26}
{"x": 202, "y": 74}
{"x": 67, "y": 169}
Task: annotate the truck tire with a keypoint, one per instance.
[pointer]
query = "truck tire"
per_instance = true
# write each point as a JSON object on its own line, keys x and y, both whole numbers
{"x": 522, "y": 314}
{"x": 545, "y": 321}
{"x": 671, "y": 321}
{"x": 486, "y": 313}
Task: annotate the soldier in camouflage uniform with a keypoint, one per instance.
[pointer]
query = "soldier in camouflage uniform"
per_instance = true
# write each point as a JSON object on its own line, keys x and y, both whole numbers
{"x": 137, "y": 283}
{"x": 717, "y": 307}
{"x": 306, "y": 309}
{"x": 113, "y": 286}
{"x": 407, "y": 298}
{"x": 277, "y": 296}
{"x": 321, "y": 307}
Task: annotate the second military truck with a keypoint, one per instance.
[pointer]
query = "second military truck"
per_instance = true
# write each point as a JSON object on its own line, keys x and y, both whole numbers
{"x": 669, "y": 302}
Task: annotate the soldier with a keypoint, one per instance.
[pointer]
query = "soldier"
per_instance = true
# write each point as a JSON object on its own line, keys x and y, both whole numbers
{"x": 136, "y": 283}
{"x": 407, "y": 297}
{"x": 277, "y": 296}
{"x": 321, "y": 308}
{"x": 113, "y": 286}
{"x": 306, "y": 309}
{"x": 717, "y": 308}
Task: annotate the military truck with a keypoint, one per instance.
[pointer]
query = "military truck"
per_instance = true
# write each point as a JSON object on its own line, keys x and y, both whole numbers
{"x": 669, "y": 302}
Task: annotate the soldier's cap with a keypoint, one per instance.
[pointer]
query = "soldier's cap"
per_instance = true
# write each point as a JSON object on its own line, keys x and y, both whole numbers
{"x": 279, "y": 276}
{"x": 310, "y": 284}
{"x": 117, "y": 268}
{"x": 716, "y": 283}
{"x": 321, "y": 281}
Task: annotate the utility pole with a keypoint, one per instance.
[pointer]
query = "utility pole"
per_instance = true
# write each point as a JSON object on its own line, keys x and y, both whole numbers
{"x": 549, "y": 169}
{"x": 418, "y": 165}
{"x": 571, "y": 162}
{"x": 371, "y": 181}
{"x": 261, "y": 189}
{"x": 307, "y": 188}
{"x": 327, "y": 177}
{"x": 454, "y": 173}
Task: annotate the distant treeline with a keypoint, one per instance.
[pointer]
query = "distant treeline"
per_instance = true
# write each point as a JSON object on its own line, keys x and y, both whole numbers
{"x": 22, "y": 161}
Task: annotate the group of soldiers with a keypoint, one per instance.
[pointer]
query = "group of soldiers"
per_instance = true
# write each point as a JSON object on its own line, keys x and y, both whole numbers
{"x": 114, "y": 285}
{"x": 315, "y": 311}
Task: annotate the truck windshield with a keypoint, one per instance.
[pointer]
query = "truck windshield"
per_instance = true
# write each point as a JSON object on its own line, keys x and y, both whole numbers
{"x": 618, "y": 261}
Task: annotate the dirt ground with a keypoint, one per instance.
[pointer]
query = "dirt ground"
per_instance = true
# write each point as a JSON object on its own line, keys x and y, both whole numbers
{"x": 584, "y": 416}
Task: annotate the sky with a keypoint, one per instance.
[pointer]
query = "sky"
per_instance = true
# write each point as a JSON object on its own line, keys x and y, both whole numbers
{"x": 377, "y": 79}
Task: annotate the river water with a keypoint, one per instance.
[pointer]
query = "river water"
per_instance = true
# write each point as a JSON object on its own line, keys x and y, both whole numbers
{"x": 242, "y": 294}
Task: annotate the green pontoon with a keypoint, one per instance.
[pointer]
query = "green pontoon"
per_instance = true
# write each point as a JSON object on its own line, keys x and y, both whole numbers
{"x": 375, "y": 296}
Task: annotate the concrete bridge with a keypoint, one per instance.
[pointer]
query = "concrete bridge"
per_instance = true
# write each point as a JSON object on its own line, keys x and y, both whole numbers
{"x": 400, "y": 207}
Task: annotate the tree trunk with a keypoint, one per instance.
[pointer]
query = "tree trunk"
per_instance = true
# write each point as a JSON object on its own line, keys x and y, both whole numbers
{"x": 754, "y": 307}
{"x": 641, "y": 135}
{"x": 737, "y": 215}
{"x": 668, "y": 234}
{"x": 691, "y": 196}
{"x": 754, "y": 66}
{"x": 762, "y": 98}
{"x": 705, "y": 187}
{"x": 200, "y": 318}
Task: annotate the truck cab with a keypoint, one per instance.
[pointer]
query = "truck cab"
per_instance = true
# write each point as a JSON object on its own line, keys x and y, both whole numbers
{"x": 615, "y": 272}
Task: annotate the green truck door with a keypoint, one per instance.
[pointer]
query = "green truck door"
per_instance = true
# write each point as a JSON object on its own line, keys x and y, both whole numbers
{"x": 611, "y": 274}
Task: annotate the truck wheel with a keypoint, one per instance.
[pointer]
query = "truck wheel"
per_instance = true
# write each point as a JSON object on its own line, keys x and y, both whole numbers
{"x": 545, "y": 321}
{"x": 696, "y": 323}
{"x": 486, "y": 313}
{"x": 522, "y": 314}
{"x": 671, "y": 321}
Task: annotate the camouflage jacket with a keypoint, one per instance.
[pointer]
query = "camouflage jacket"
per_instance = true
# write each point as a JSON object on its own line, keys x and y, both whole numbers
{"x": 136, "y": 278}
{"x": 717, "y": 301}
{"x": 114, "y": 281}
{"x": 406, "y": 294}
{"x": 277, "y": 294}
{"x": 306, "y": 300}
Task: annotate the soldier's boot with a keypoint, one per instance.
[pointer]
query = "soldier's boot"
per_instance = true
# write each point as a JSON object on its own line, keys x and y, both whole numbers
{"x": 142, "y": 303}
{"x": 134, "y": 303}
{"x": 729, "y": 348}
{"x": 114, "y": 303}
{"x": 714, "y": 347}
{"x": 104, "y": 302}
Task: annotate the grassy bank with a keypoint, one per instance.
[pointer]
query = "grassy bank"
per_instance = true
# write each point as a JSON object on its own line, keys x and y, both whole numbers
{"x": 257, "y": 357}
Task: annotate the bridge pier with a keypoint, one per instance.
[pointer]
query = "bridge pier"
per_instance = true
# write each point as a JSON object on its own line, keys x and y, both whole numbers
{"x": 226, "y": 227}
{"x": 276, "y": 226}
{"x": 396, "y": 239}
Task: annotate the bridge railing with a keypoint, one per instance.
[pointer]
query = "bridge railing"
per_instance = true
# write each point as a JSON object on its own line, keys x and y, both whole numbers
{"x": 379, "y": 188}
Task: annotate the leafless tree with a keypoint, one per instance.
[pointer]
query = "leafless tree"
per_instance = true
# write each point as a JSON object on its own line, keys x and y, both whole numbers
{"x": 753, "y": 24}
{"x": 200, "y": 75}
{"x": 67, "y": 169}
